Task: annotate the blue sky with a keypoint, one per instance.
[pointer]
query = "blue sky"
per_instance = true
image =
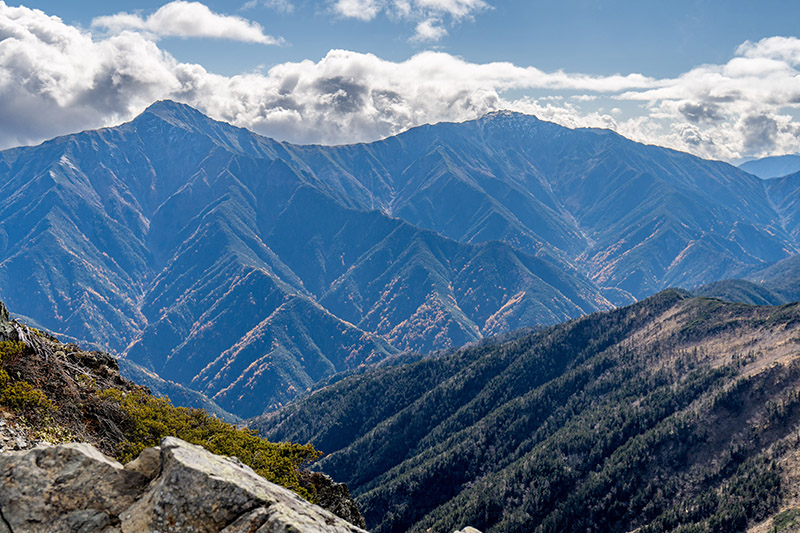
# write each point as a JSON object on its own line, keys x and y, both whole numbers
{"x": 718, "y": 79}
{"x": 593, "y": 36}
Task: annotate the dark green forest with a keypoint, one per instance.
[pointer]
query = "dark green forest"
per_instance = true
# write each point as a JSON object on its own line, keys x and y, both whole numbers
{"x": 673, "y": 414}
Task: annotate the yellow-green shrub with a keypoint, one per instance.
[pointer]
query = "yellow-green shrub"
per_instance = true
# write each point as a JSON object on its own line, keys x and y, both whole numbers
{"x": 10, "y": 350}
{"x": 19, "y": 395}
{"x": 149, "y": 419}
{"x": 127, "y": 421}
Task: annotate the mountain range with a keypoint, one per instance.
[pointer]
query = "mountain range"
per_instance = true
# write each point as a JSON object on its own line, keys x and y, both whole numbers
{"x": 672, "y": 414}
{"x": 248, "y": 269}
{"x": 777, "y": 284}
{"x": 773, "y": 166}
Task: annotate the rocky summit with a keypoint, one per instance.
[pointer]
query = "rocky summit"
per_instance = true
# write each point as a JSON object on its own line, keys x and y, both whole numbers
{"x": 175, "y": 487}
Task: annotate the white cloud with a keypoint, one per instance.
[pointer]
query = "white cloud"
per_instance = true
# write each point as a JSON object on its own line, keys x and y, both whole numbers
{"x": 781, "y": 48}
{"x": 187, "y": 19}
{"x": 56, "y": 78}
{"x": 358, "y": 9}
{"x": 742, "y": 107}
{"x": 428, "y": 15}
{"x": 429, "y": 30}
{"x": 282, "y": 6}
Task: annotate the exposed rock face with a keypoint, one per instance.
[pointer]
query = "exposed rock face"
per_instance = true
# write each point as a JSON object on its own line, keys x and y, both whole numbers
{"x": 7, "y": 331}
{"x": 179, "y": 487}
{"x": 72, "y": 487}
{"x": 335, "y": 497}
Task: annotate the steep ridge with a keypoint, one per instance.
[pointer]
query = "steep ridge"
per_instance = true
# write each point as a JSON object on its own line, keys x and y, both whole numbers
{"x": 171, "y": 240}
{"x": 631, "y": 216}
{"x": 675, "y": 411}
{"x": 478, "y": 289}
{"x": 201, "y": 251}
{"x": 783, "y": 192}
{"x": 415, "y": 289}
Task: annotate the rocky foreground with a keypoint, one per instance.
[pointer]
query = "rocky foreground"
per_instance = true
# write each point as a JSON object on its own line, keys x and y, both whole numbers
{"x": 175, "y": 487}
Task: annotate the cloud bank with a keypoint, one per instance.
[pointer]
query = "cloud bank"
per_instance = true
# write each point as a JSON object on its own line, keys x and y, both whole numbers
{"x": 56, "y": 79}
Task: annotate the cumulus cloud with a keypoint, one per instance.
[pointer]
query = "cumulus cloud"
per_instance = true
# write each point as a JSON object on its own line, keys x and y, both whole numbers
{"x": 700, "y": 112}
{"x": 429, "y": 30}
{"x": 56, "y": 78}
{"x": 187, "y": 19}
{"x": 745, "y": 106}
{"x": 429, "y": 15}
{"x": 358, "y": 9}
{"x": 782, "y": 48}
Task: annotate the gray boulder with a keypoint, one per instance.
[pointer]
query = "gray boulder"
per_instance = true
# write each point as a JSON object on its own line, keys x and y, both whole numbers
{"x": 71, "y": 487}
{"x": 180, "y": 487}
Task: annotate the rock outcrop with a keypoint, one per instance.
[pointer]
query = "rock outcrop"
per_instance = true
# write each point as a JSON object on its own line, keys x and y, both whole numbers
{"x": 7, "y": 331}
{"x": 335, "y": 497}
{"x": 177, "y": 487}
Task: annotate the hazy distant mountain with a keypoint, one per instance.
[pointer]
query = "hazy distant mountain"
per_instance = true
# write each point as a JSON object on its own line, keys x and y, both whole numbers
{"x": 773, "y": 167}
{"x": 675, "y": 413}
{"x": 783, "y": 278}
{"x": 742, "y": 291}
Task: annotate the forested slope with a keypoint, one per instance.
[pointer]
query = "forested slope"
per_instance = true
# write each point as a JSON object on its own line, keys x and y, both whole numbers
{"x": 673, "y": 412}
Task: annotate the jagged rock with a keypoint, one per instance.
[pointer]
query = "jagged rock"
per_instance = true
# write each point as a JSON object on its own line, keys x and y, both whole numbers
{"x": 148, "y": 463}
{"x": 73, "y": 487}
{"x": 7, "y": 331}
{"x": 335, "y": 497}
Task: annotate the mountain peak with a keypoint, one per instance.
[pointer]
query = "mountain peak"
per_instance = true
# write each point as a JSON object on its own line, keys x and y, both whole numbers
{"x": 185, "y": 117}
{"x": 167, "y": 105}
{"x": 506, "y": 113}
{"x": 176, "y": 113}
